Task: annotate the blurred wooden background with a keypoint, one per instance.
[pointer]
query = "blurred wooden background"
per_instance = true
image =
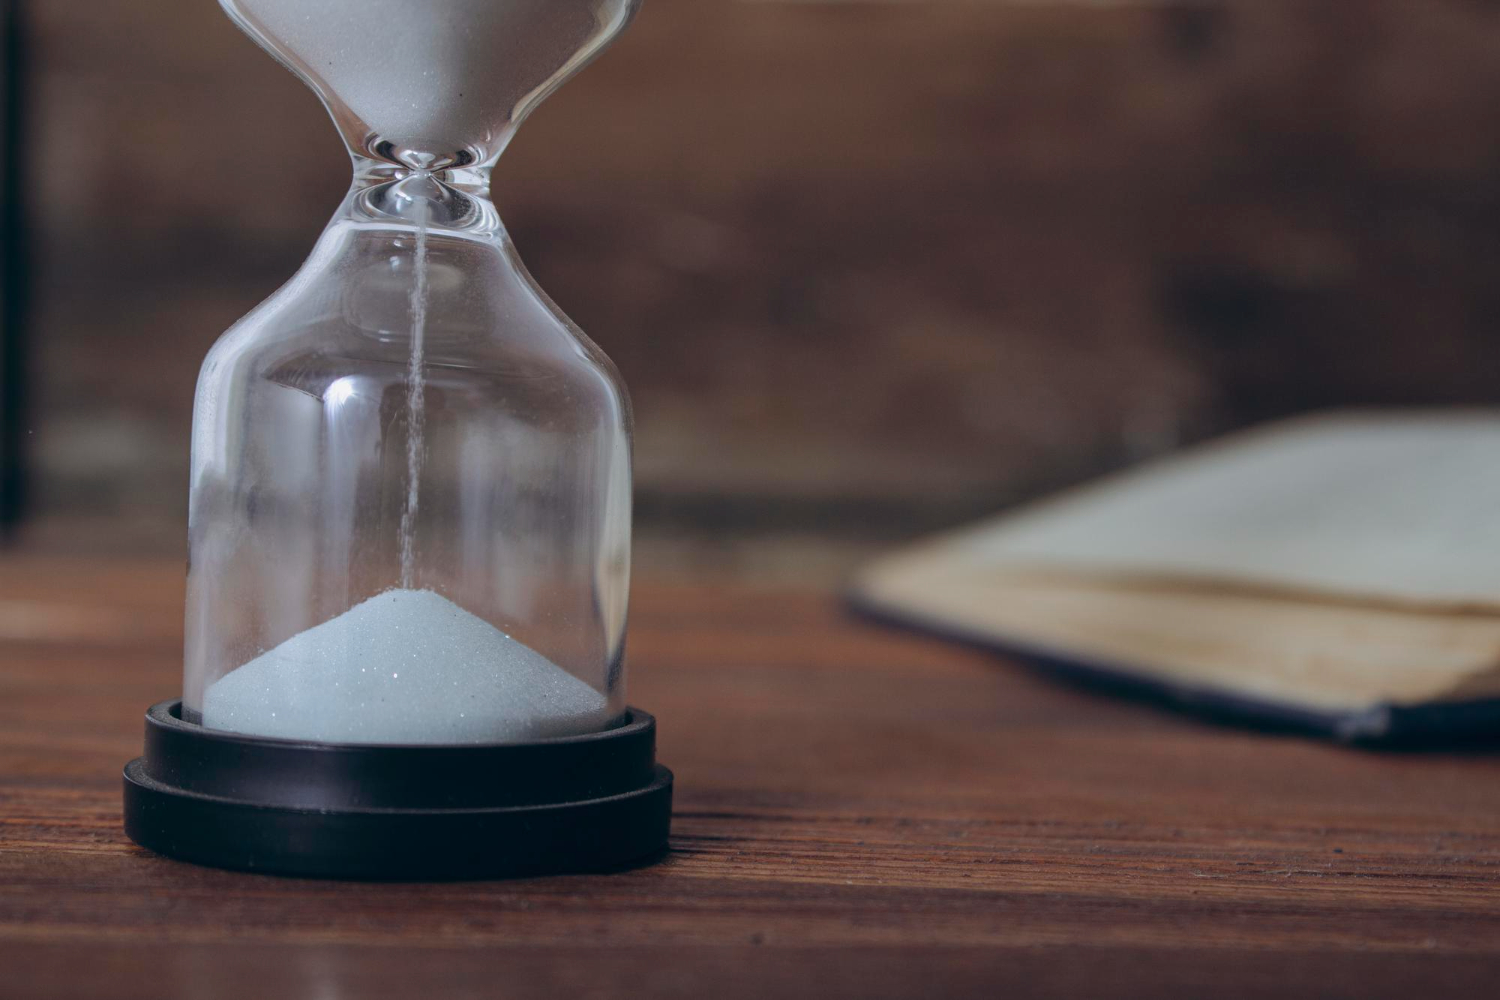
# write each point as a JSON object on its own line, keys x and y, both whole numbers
{"x": 869, "y": 268}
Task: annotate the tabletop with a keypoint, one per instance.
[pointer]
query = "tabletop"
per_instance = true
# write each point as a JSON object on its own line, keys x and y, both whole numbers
{"x": 859, "y": 812}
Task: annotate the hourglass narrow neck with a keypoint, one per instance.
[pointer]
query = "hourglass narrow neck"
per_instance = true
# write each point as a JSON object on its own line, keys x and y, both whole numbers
{"x": 456, "y": 199}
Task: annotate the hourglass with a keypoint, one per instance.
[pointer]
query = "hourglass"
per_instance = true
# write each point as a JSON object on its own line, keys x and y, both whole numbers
{"x": 409, "y": 523}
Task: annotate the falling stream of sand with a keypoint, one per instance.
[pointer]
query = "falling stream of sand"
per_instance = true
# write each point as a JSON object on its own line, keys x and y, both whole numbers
{"x": 415, "y": 399}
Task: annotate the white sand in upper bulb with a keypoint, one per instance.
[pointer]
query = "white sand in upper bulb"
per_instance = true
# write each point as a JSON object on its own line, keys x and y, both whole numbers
{"x": 440, "y": 73}
{"x": 406, "y": 666}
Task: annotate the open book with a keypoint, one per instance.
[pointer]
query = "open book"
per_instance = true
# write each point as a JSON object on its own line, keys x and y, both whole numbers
{"x": 1338, "y": 572}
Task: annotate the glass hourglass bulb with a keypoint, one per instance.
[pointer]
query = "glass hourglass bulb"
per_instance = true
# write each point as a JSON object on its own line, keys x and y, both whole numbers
{"x": 410, "y": 499}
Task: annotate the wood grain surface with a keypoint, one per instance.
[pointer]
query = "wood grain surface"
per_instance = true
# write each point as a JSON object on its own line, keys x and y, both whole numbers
{"x": 859, "y": 813}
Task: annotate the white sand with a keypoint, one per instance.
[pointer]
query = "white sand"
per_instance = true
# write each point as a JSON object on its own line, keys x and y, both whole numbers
{"x": 406, "y": 666}
{"x": 437, "y": 74}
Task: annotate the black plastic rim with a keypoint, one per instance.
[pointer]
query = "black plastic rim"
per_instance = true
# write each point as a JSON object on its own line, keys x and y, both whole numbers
{"x": 574, "y": 804}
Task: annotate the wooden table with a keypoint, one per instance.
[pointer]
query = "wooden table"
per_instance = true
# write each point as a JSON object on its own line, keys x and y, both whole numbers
{"x": 859, "y": 813}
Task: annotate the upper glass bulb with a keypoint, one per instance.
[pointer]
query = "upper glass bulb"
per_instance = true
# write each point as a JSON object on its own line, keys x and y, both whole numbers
{"x": 432, "y": 83}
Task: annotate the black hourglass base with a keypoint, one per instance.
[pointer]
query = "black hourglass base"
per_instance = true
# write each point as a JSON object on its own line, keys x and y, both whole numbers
{"x": 576, "y": 804}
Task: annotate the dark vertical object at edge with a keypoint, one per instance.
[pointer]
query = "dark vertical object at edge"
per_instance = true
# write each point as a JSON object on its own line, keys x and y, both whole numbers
{"x": 14, "y": 285}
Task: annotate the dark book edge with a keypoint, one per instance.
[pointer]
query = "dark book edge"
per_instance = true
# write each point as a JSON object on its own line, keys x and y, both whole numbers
{"x": 1428, "y": 726}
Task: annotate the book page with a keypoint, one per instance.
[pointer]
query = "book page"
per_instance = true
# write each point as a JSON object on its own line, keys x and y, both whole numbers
{"x": 1398, "y": 508}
